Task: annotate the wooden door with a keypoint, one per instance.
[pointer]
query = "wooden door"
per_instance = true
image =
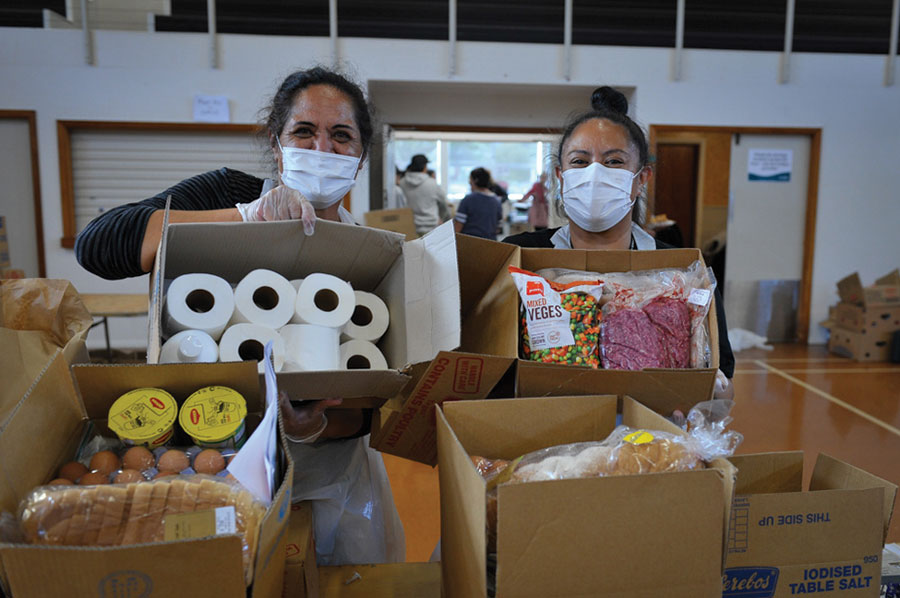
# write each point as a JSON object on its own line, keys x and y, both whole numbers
{"x": 677, "y": 166}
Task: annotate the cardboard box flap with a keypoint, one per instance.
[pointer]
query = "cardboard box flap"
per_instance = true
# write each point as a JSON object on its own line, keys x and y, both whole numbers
{"x": 621, "y": 535}
{"x": 268, "y": 574}
{"x": 830, "y": 473}
{"x": 100, "y": 385}
{"x": 640, "y": 416}
{"x": 496, "y": 428}
{"x": 47, "y": 411}
{"x": 488, "y": 296}
{"x": 850, "y": 289}
{"x": 890, "y": 279}
{"x": 143, "y": 569}
{"x": 608, "y": 261}
{"x": 462, "y": 510}
{"x": 198, "y": 247}
{"x": 381, "y": 384}
{"x": 661, "y": 390}
{"x": 432, "y": 294}
{"x": 769, "y": 473}
{"x": 157, "y": 273}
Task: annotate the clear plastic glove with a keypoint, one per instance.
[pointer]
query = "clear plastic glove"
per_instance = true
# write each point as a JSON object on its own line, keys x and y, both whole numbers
{"x": 305, "y": 419}
{"x": 281, "y": 203}
{"x": 723, "y": 388}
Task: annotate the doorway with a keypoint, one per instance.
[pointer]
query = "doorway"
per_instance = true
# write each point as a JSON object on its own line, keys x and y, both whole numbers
{"x": 765, "y": 224}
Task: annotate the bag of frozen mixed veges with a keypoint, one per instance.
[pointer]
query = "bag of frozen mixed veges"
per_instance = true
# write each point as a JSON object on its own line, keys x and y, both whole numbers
{"x": 560, "y": 322}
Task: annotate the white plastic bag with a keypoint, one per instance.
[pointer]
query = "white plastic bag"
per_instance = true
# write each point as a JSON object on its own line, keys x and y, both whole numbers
{"x": 744, "y": 339}
{"x": 354, "y": 515}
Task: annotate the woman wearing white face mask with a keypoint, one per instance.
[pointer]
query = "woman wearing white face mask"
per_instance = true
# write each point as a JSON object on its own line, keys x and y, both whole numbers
{"x": 319, "y": 128}
{"x": 602, "y": 164}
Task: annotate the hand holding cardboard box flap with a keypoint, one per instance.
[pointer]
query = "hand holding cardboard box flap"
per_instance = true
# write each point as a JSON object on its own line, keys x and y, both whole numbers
{"x": 38, "y": 317}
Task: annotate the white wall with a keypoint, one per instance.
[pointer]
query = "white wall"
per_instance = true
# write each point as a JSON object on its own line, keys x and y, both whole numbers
{"x": 153, "y": 77}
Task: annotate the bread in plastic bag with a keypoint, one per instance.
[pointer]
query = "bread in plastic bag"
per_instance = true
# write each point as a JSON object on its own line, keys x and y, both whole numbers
{"x": 126, "y": 514}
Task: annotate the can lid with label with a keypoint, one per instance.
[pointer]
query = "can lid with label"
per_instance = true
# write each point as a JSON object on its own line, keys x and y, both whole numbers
{"x": 143, "y": 416}
{"x": 213, "y": 414}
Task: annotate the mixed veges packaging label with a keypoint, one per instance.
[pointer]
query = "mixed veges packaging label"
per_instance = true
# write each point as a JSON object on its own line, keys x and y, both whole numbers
{"x": 560, "y": 322}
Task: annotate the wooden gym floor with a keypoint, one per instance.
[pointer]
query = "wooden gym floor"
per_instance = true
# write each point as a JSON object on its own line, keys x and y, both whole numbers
{"x": 793, "y": 398}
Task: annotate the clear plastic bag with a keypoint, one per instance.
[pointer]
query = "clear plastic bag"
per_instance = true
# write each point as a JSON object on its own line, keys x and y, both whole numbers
{"x": 651, "y": 318}
{"x": 127, "y": 514}
{"x": 353, "y": 508}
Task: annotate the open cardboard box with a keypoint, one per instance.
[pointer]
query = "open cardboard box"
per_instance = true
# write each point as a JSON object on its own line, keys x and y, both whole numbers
{"x": 50, "y": 423}
{"x": 418, "y": 280}
{"x": 301, "y": 575}
{"x": 826, "y": 541}
{"x": 636, "y": 536}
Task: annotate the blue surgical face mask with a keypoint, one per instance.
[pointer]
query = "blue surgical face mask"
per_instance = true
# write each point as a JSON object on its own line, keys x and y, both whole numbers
{"x": 596, "y": 197}
{"x": 321, "y": 177}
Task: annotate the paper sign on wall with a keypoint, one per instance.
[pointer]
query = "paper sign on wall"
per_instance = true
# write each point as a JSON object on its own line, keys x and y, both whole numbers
{"x": 211, "y": 109}
{"x": 772, "y": 165}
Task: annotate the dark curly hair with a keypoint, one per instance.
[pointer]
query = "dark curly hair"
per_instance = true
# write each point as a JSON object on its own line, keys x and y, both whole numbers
{"x": 279, "y": 109}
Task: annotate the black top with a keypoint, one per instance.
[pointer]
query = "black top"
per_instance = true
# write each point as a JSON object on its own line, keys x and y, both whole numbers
{"x": 541, "y": 239}
{"x": 110, "y": 246}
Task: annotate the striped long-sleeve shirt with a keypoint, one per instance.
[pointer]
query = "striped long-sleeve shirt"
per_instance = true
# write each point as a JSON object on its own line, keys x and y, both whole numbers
{"x": 110, "y": 246}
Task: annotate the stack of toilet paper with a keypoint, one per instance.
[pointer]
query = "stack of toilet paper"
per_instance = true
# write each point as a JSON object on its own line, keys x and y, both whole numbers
{"x": 315, "y": 323}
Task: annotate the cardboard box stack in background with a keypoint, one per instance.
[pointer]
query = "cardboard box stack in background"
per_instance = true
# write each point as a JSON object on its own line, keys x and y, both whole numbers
{"x": 825, "y": 542}
{"x": 66, "y": 408}
{"x": 630, "y": 535}
{"x": 399, "y": 221}
{"x": 863, "y": 323}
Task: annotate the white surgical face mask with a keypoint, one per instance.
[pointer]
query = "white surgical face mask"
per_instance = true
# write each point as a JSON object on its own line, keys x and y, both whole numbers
{"x": 597, "y": 198}
{"x": 322, "y": 177}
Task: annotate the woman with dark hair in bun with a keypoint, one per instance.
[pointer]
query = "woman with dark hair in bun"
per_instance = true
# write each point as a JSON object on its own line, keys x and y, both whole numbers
{"x": 479, "y": 213}
{"x": 602, "y": 164}
{"x": 318, "y": 128}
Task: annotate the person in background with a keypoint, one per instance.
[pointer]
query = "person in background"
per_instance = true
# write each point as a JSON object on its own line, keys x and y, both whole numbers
{"x": 479, "y": 212}
{"x": 603, "y": 167}
{"x": 538, "y": 213}
{"x": 426, "y": 198}
{"x": 399, "y": 197}
{"x": 498, "y": 190}
{"x": 319, "y": 131}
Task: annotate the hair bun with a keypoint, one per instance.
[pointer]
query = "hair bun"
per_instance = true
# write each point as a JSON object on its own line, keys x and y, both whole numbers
{"x": 608, "y": 99}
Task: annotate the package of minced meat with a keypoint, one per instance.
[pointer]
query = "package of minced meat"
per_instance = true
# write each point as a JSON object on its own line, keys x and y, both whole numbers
{"x": 652, "y": 318}
{"x": 560, "y": 322}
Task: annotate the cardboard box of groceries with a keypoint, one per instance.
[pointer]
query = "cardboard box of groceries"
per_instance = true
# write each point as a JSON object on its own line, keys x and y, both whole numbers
{"x": 417, "y": 280}
{"x": 826, "y": 541}
{"x": 627, "y": 535}
{"x": 61, "y": 412}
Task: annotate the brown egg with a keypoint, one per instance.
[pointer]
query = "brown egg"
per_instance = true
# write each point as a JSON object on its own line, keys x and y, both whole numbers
{"x": 173, "y": 460}
{"x": 126, "y": 476}
{"x": 94, "y": 477}
{"x": 105, "y": 462}
{"x": 139, "y": 458}
{"x": 163, "y": 474}
{"x": 209, "y": 461}
{"x": 60, "y": 482}
{"x": 72, "y": 471}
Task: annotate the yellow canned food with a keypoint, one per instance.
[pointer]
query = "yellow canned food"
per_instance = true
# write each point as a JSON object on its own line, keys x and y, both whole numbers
{"x": 144, "y": 417}
{"x": 214, "y": 417}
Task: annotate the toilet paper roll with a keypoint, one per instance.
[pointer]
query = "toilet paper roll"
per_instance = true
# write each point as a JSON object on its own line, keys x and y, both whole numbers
{"x": 310, "y": 347}
{"x": 370, "y": 318}
{"x": 189, "y": 346}
{"x": 242, "y": 342}
{"x": 324, "y": 300}
{"x": 198, "y": 302}
{"x": 362, "y": 355}
{"x": 264, "y": 297}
